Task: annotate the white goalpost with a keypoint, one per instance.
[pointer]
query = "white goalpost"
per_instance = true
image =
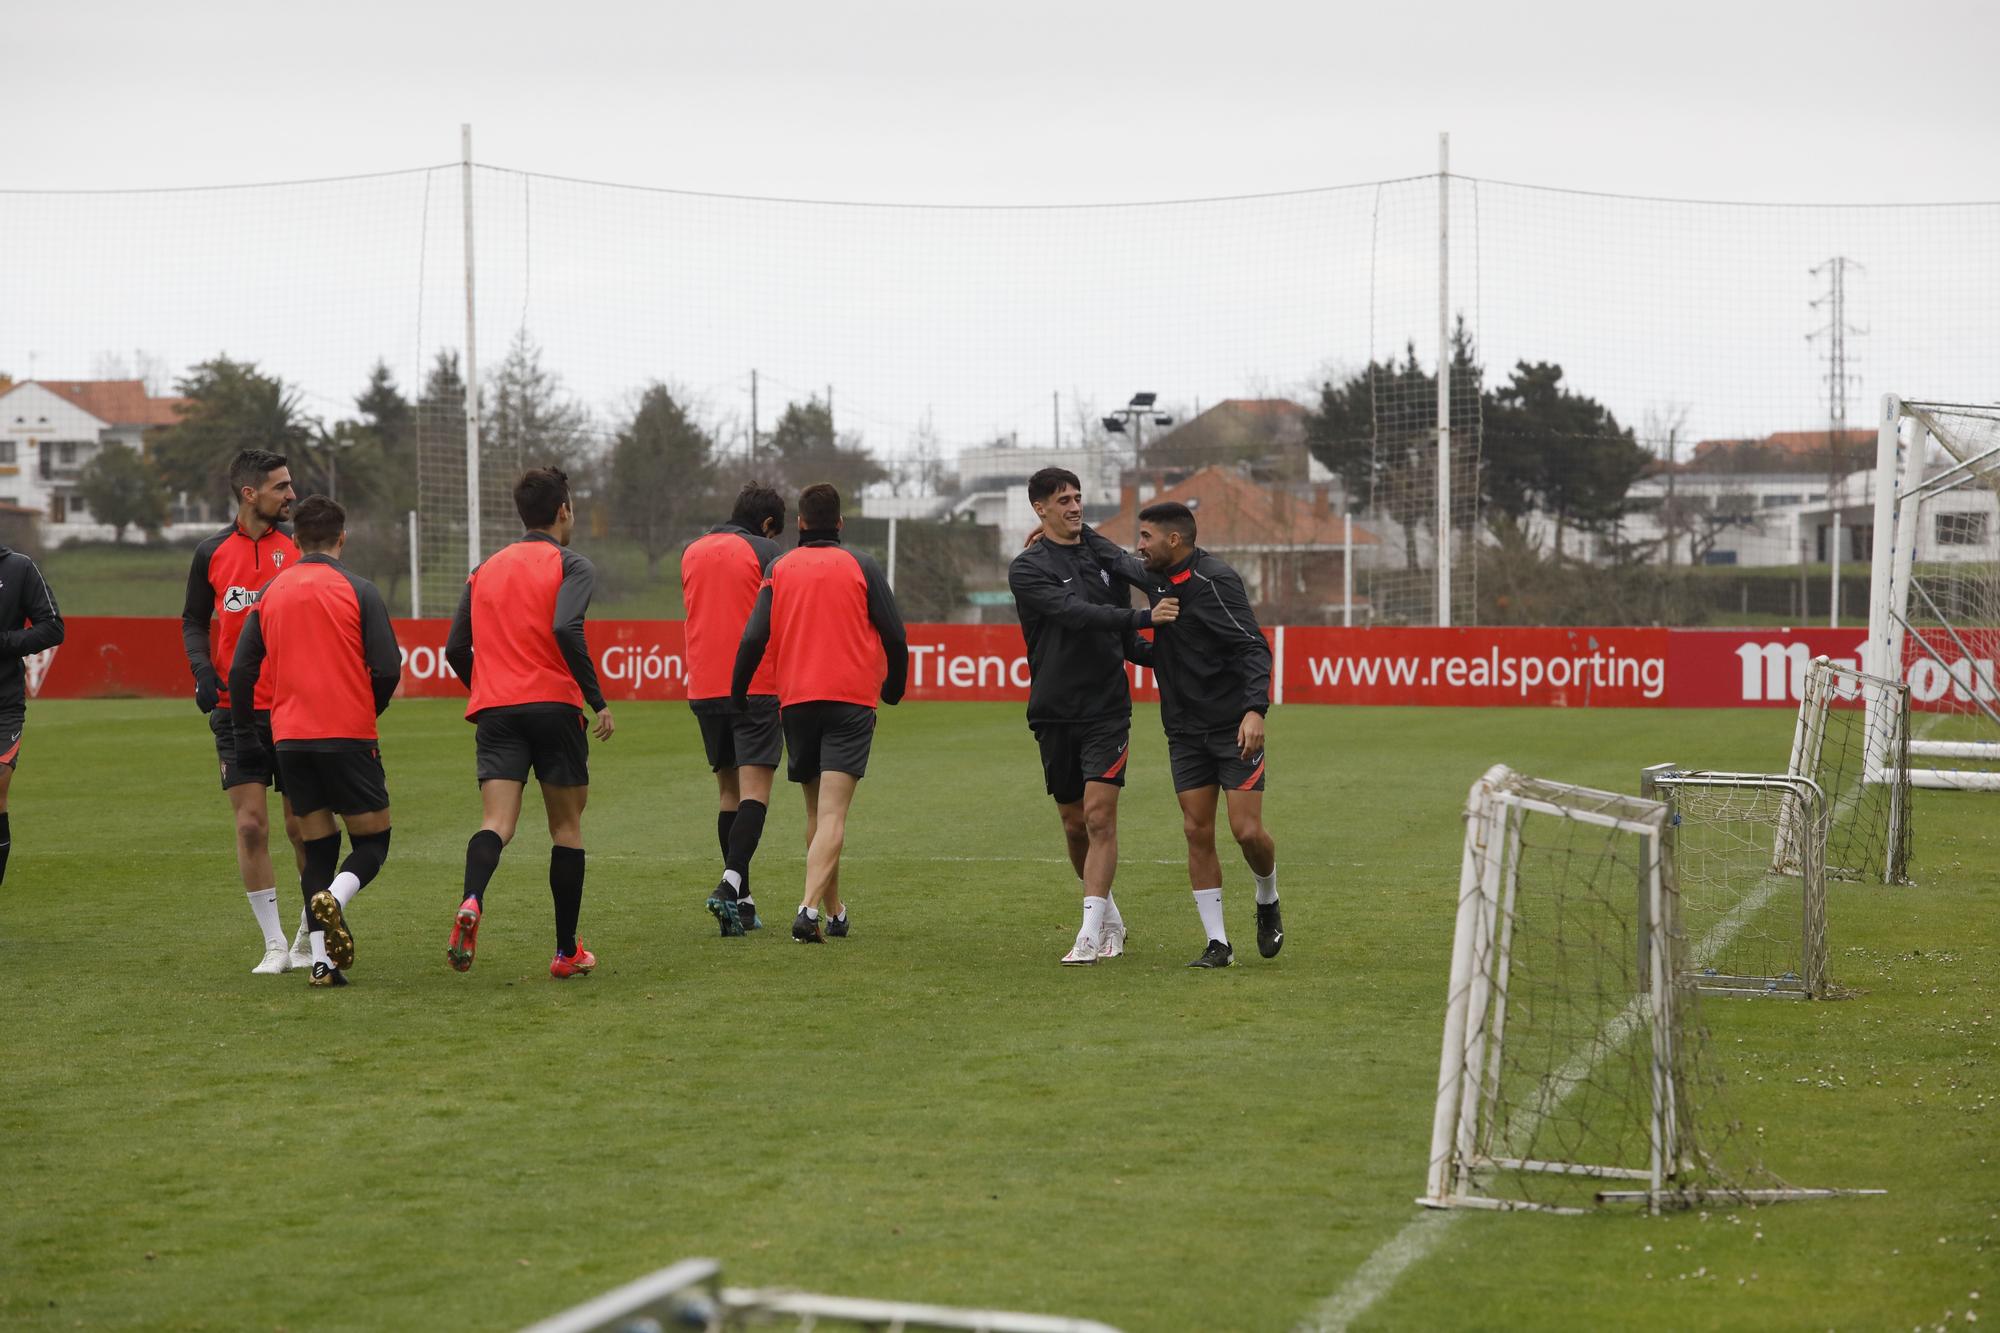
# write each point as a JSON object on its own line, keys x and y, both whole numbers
{"x": 1853, "y": 740}
{"x": 1934, "y": 591}
{"x": 1573, "y": 1070}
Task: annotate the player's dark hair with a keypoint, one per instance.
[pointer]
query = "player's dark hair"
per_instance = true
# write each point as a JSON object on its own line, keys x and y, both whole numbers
{"x": 539, "y": 493}
{"x": 757, "y": 504}
{"x": 249, "y": 468}
{"x": 819, "y": 505}
{"x": 317, "y": 523}
{"x": 1050, "y": 480}
{"x": 1171, "y": 515}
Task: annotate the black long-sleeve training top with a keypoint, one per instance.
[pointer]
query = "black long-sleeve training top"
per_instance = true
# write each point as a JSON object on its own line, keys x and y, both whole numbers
{"x": 29, "y": 623}
{"x": 1080, "y": 632}
{"x": 1213, "y": 663}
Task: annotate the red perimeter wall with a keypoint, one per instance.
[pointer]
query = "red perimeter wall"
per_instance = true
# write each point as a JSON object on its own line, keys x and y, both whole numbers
{"x": 1533, "y": 667}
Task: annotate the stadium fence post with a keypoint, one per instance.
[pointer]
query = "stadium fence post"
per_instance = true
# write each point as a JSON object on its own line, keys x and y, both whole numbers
{"x": 472, "y": 542}
{"x": 1444, "y": 383}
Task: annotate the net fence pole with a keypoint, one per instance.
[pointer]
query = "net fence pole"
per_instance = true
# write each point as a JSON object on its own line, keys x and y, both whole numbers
{"x": 416, "y": 596}
{"x": 1444, "y": 384}
{"x": 472, "y": 542}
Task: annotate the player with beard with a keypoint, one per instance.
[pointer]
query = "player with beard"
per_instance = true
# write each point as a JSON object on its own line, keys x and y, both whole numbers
{"x": 229, "y": 572}
{"x": 1215, "y": 686}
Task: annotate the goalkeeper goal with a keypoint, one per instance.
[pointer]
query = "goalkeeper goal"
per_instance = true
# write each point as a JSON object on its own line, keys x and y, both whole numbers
{"x": 1853, "y": 741}
{"x": 1574, "y": 1047}
{"x": 1934, "y": 591}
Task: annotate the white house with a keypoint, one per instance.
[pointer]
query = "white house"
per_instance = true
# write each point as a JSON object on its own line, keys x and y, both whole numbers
{"x": 49, "y": 429}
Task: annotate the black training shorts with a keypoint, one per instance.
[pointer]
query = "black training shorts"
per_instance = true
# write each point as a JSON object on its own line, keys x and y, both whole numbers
{"x": 1211, "y": 759}
{"x": 261, "y": 768}
{"x": 551, "y": 741}
{"x": 732, "y": 739}
{"x": 13, "y": 722}
{"x": 1074, "y": 753}
{"x": 347, "y": 782}
{"x": 824, "y": 736}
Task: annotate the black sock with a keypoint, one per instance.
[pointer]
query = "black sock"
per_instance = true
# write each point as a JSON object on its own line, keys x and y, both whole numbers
{"x": 6, "y": 843}
{"x": 725, "y": 820}
{"x": 364, "y": 862}
{"x": 743, "y": 841}
{"x": 322, "y": 861}
{"x": 566, "y": 887}
{"x": 482, "y": 858}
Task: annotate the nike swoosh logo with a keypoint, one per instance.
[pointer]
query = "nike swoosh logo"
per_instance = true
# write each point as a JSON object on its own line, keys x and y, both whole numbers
{"x": 1071, "y": 577}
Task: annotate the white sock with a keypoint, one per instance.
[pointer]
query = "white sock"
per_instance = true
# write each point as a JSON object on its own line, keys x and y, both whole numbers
{"x": 1209, "y": 903}
{"x": 732, "y": 879}
{"x": 841, "y": 915}
{"x": 264, "y": 905}
{"x": 1111, "y": 914}
{"x": 1093, "y": 919}
{"x": 305, "y": 922}
{"x": 319, "y": 948}
{"x": 1267, "y": 885}
{"x": 807, "y": 911}
{"x": 345, "y": 885}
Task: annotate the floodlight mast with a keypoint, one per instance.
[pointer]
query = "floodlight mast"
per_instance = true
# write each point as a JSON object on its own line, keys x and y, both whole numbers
{"x": 1136, "y": 414}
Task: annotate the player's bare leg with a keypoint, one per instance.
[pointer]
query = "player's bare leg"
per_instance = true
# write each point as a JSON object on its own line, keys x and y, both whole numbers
{"x": 1097, "y": 813}
{"x": 249, "y": 807}
{"x": 1205, "y": 871}
{"x": 1076, "y": 834}
{"x": 1246, "y": 825}
{"x": 827, "y": 801}
{"x": 564, "y": 807}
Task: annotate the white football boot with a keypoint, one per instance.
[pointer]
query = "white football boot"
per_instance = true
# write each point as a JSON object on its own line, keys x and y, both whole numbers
{"x": 1112, "y": 945}
{"x": 302, "y": 954}
{"x": 275, "y": 961}
{"x": 1082, "y": 954}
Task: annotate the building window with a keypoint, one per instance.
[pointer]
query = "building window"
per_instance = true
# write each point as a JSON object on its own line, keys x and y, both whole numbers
{"x": 1961, "y": 529}
{"x": 1780, "y": 501}
{"x": 14, "y": 500}
{"x": 7, "y": 448}
{"x": 66, "y": 453}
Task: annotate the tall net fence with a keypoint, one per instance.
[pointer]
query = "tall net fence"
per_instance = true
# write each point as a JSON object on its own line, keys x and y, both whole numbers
{"x": 1639, "y": 426}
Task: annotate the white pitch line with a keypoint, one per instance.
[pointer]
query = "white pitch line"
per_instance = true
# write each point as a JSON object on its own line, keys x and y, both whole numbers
{"x": 1424, "y": 1232}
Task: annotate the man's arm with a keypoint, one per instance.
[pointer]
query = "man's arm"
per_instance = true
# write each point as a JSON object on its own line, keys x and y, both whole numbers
{"x": 1138, "y": 650}
{"x": 45, "y": 623}
{"x": 1240, "y": 628}
{"x": 1116, "y": 560}
{"x": 750, "y": 649}
{"x": 378, "y": 643}
{"x": 243, "y": 674}
{"x": 458, "y": 644}
{"x": 572, "y": 600}
{"x": 1037, "y": 589}
{"x": 197, "y": 612}
{"x": 887, "y": 619}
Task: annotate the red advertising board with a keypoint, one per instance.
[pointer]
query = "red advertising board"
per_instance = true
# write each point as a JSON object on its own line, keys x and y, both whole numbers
{"x": 1492, "y": 667}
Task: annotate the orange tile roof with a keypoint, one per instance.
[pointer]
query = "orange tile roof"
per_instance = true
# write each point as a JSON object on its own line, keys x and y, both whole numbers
{"x": 114, "y": 402}
{"x": 1794, "y": 443}
{"x": 1232, "y": 512}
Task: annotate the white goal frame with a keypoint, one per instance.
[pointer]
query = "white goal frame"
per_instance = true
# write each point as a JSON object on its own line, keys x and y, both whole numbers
{"x": 1902, "y": 447}
{"x": 1476, "y": 1004}
{"x": 1885, "y": 708}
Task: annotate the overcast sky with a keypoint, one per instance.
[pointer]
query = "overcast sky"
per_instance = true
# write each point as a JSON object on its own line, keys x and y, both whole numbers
{"x": 972, "y": 320}
{"x": 930, "y": 101}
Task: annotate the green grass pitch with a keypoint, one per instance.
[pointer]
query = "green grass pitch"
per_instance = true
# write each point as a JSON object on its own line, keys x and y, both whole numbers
{"x": 931, "y": 1109}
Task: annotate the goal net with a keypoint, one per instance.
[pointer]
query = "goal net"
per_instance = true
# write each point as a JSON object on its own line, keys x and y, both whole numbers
{"x": 1853, "y": 741}
{"x": 1749, "y": 856}
{"x": 1575, "y": 1065}
{"x": 1934, "y": 614}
